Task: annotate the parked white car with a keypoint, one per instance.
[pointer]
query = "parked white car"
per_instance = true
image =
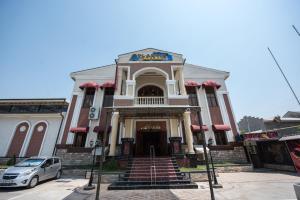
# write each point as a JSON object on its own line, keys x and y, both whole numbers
{"x": 29, "y": 172}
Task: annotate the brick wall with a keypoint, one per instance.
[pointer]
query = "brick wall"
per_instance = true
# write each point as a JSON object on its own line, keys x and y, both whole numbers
{"x": 234, "y": 155}
{"x": 74, "y": 158}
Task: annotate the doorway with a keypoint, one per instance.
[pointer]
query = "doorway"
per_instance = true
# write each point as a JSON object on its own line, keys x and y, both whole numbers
{"x": 151, "y": 135}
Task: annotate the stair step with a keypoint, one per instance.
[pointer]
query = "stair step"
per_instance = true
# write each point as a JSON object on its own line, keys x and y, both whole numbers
{"x": 140, "y": 187}
{"x": 149, "y": 182}
{"x": 166, "y": 176}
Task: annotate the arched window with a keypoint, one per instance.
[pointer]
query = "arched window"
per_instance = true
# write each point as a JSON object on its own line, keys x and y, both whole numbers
{"x": 150, "y": 91}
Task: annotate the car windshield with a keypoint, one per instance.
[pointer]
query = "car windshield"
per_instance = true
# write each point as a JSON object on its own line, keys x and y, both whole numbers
{"x": 32, "y": 162}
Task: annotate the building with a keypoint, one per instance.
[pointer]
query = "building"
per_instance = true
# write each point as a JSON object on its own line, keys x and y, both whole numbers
{"x": 249, "y": 124}
{"x": 148, "y": 98}
{"x": 30, "y": 127}
{"x": 278, "y": 147}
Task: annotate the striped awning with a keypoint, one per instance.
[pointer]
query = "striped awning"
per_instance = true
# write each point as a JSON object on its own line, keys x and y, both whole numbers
{"x": 108, "y": 84}
{"x": 211, "y": 83}
{"x": 190, "y": 83}
{"x": 79, "y": 129}
{"x": 221, "y": 127}
{"x": 197, "y": 128}
{"x": 89, "y": 85}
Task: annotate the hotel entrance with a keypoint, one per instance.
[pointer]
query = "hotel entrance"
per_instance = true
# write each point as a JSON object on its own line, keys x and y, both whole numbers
{"x": 151, "y": 133}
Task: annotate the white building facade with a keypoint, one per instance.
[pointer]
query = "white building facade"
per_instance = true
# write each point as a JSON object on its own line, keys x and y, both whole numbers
{"x": 149, "y": 98}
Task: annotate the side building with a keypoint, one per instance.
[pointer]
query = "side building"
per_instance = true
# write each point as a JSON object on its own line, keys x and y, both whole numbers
{"x": 30, "y": 127}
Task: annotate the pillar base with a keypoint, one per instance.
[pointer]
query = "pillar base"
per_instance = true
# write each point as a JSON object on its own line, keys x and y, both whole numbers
{"x": 176, "y": 150}
{"x": 127, "y": 147}
{"x": 193, "y": 159}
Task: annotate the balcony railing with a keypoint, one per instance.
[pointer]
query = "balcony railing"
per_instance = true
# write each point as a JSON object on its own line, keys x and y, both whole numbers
{"x": 149, "y": 101}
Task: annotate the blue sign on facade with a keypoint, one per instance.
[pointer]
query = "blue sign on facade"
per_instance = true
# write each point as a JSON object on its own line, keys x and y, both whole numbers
{"x": 155, "y": 56}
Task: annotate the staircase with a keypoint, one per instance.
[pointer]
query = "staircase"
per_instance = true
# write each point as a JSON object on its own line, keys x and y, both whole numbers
{"x": 152, "y": 173}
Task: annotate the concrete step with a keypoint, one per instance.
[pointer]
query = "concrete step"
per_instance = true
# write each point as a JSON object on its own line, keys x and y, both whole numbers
{"x": 156, "y": 186}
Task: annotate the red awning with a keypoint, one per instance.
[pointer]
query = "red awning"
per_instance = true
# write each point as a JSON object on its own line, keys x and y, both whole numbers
{"x": 221, "y": 127}
{"x": 89, "y": 85}
{"x": 79, "y": 129}
{"x": 196, "y": 128}
{"x": 192, "y": 84}
{"x": 99, "y": 129}
{"x": 108, "y": 84}
{"x": 210, "y": 83}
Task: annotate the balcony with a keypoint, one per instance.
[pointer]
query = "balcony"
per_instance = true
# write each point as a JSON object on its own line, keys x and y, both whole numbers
{"x": 149, "y": 101}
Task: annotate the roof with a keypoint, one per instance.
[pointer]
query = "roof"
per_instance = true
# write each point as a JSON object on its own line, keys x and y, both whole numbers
{"x": 154, "y": 49}
{"x": 292, "y": 114}
{"x": 61, "y": 101}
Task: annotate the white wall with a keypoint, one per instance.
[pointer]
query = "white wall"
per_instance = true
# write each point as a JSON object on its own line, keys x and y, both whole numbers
{"x": 8, "y": 123}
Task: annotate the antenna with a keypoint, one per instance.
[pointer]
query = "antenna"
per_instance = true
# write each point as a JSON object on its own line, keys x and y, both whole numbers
{"x": 284, "y": 76}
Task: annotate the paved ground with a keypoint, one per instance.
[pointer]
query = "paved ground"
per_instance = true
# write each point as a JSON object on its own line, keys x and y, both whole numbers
{"x": 54, "y": 190}
{"x": 237, "y": 186}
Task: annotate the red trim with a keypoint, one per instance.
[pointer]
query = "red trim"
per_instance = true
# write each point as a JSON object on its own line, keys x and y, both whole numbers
{"x": 190, "y": 83}
{"x": 196, "y": 128}
{"x": 89, "y": 85}
{"x": 99, "y": 129}
{"x": 108, "y": 84}
{"x": 221, "y": 127}
{"x": 210, "y": 83}
{"x": 79, "y": 129}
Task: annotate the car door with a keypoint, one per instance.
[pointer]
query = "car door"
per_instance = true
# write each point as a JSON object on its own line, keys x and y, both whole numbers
{"x": 46, "y": 169}
{"x": 56, "y": 166}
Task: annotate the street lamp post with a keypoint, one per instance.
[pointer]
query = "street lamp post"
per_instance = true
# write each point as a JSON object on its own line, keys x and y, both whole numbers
{"x": 212, "y": 195}
{"x": 216, "y": 184}
{"x": 90, "y": 185}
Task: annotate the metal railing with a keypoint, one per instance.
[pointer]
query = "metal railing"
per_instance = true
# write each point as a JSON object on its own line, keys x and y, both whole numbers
{"x": 152, "y": 167}
{"x": 149, "y": 101}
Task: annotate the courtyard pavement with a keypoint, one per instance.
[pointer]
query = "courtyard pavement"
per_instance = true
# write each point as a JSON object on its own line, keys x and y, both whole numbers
{"x": 236, "y": 186}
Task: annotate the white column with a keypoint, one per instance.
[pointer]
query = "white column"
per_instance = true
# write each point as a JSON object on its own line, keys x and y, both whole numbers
{"x": 114, "y": 129}
{"x": 181, "y": 83}
{"x": 188, "y": 132}
{"x": 174, "y": 127}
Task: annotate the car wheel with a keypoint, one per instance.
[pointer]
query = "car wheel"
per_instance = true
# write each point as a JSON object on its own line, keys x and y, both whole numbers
{"x": 58, "y": 175}
{"x": 33, "y": 182}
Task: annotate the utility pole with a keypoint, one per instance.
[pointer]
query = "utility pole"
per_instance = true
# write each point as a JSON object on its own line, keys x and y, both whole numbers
{"x": 296, "y": 30}
{"x": 284, "y": 76}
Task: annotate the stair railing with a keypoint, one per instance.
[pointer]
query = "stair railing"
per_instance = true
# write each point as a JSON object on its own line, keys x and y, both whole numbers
{"x": 152, "y": 167}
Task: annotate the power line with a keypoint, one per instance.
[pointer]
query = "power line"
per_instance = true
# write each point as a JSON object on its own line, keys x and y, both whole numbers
{"x": 284, "y": 76}
{"x": 296, "y": 30}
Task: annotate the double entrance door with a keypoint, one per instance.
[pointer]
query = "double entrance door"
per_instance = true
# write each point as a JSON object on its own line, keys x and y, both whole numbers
{"x": 151, "y": 135}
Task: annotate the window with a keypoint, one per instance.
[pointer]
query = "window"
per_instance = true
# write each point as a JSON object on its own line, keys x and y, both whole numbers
{"x": 108, "y": 97}
{"x": 221, "y": 138}
{"x": 48, "y": 162}
{"x": 56, "y": 160}
{"x": 24, "y": 109}
{"x": 150, "y": 91}
{"x": 89, "y": 98}
{"x": 211, "y": 97}
{"x": 193, "y": 99}
{"x": 79, "y": 139}
{"x": 4, "y": 109}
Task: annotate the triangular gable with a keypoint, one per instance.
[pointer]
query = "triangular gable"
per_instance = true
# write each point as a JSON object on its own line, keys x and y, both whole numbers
{"x": 103, "y": 71}
{"x": 195, "y": 71}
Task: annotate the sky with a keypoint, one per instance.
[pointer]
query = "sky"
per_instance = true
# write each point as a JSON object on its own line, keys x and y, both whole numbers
{"x": 42, "y": 42}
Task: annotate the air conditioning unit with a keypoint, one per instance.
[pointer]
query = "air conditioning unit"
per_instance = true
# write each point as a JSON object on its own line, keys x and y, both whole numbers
{"x": 93, "y": 114}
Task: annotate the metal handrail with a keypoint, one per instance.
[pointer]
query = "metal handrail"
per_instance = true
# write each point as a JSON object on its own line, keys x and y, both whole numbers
{"x": 152, "y": 156}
